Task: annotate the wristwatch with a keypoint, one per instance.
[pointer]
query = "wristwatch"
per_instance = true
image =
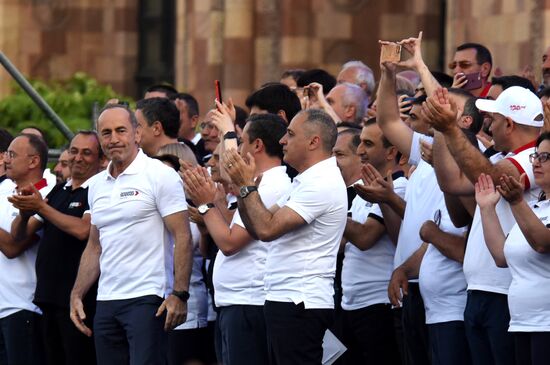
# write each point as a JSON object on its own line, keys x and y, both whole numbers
{"x": 230, "y": 135}
{"x": 203, "y": 208}
{"x": 183, "y": 295}
{"x": 245, "y": 190}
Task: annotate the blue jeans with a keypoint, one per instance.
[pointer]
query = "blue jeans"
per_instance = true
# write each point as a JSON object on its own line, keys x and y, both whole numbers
{"x": 127, "y": 332}
{"x": 20, "y": 339}
{"x": 486, "y": 319}
{"x": 448, "y": 343}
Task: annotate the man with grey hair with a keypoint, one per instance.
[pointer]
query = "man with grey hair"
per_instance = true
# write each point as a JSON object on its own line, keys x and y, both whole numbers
{"x": 298, "y": 277}
{"x": 356, "y": 72}
{"x": 349, "y": 102}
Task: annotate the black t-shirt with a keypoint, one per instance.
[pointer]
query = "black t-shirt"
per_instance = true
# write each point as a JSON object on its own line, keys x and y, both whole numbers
{"x": 59, "y": 253}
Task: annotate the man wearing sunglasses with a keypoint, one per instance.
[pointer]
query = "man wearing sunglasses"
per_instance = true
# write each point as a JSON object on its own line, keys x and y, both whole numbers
{"x": 471, "y": 67}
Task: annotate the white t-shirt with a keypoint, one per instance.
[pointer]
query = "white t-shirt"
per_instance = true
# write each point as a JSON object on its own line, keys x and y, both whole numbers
{"x": 366, "y": 274}
{"x": 301, "y": 265}
{"x": 442, "y": 282}
{"x": 197, "y": 304}
{"x": 529, "y": 293}
{"x": 18, "y": 278}
{"x": 423, "y": 196}
{"x": 479, "y": 267}
{"x": 128, "y": 213}
{"x": 239, "y": 279}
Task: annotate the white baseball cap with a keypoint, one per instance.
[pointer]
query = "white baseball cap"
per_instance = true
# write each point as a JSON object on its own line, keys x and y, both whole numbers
{"x": 516, "y": 103}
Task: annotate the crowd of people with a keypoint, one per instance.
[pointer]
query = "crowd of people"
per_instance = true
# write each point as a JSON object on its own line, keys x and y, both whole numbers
{"x": 406, "y": 215}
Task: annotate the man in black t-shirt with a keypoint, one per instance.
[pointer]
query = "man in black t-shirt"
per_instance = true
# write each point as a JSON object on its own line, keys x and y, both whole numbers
{"x": 65, "y": 222}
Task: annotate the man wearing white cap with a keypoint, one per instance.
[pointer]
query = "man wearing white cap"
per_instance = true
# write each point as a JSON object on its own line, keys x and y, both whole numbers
{"x": 516, "y": 118}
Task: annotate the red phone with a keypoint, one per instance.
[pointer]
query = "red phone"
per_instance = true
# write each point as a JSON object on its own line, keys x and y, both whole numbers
{"x": 474, "y": 81}
{"x": 218, "y": 90}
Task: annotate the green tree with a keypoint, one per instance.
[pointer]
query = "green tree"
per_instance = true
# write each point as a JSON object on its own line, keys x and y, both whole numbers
{"x": 73, "y": 100}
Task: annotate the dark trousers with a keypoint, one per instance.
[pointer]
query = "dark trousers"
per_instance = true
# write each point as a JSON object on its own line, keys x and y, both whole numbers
{"x": 63, "y": 342}
{"x": 186, "y": 346}
{"x": 214, "y": 343}
{"x": 369, "y": 335}
{"x": 532, "y": 348}
{"x": 486, "y": 319}
{"x": 128, "y": 332}
{"x": 415, "y": 331}
{"x": 449, "y": 344}
{"x": 295, "y": 334}
{"x": 243, "y": 335}
{"x": 20, "y": 339}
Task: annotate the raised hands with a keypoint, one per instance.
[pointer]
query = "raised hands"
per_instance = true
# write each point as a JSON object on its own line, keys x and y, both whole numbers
{"x": 240, "y": 171}
{"x": 375, "y": 188}
{"x": 440, "y": 110}
{"x": 486, "y": 195}
{"x": 223, "y": 117}
{"x": 512, "y": 189}
{"x": 414, "y": 47}
{"x": 426, "y": 151}
{"x": 29, "y": 201}
{"x": 405, "y": 106}
{"x": 199, "y": 186}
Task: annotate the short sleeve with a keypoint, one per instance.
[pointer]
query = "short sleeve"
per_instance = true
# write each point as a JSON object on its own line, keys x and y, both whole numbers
{"x": 522, "y": 164}
{"x": 309, "y": 201}
{"x": 415, "y": 157}
{"x": 169, "y": 194}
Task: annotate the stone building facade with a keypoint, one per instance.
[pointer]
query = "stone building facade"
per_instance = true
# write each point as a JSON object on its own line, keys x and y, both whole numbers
{"x": 245, "y": 43}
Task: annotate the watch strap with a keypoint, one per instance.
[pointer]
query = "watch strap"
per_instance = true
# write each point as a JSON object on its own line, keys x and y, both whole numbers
{"x": 230, "y": 135}
{"x": 208, "y": 207}
{"x": 183, "y": 295}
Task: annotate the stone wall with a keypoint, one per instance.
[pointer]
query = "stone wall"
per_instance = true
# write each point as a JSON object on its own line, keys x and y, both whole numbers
{"x": 52, "y": 39}
{"x": 245, "y": 43}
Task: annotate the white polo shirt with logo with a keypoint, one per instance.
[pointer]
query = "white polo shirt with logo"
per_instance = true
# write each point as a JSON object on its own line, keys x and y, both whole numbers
{"x": 18, "y": 278}
{"x": 301, "y": 265}
{"x": 239, "y": 279}
{"x": 128, "y": 211}
{"x": 529, "y": 294}
{"x": 479, "y": 266}
{"x": 366, "y": 274}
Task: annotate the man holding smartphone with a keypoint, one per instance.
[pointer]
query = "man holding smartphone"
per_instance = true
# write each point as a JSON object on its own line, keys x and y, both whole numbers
{"x": 471, "y": 67}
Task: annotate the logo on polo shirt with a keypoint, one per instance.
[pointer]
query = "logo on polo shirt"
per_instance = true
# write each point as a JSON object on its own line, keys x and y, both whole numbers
{"x": 75, "y": 205}
{"x": 129, "y": 194}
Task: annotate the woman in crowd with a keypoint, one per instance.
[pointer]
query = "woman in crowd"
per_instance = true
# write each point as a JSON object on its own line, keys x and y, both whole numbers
{"x": 525, "y": 250}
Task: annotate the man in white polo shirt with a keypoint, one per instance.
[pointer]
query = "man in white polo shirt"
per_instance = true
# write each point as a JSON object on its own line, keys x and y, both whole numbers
{"x": 307, "y": 226}
{"x": 20, "y": 340}
{"x": 135, "y": 204}
{"x": 239, "y": 268}
{"x": 516, "y": 118}
{"x": 368, "y": 322}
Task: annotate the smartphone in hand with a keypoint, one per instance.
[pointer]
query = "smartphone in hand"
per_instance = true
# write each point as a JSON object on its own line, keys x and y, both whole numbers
{"x": 473, "y": 81}
{"x": 218, "y": 88}
{"x": 390, "y": 53}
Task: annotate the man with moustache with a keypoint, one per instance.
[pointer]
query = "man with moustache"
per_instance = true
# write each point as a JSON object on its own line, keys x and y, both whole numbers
{"x": 368, "y": 261}
{"x": 65, "y": 219}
